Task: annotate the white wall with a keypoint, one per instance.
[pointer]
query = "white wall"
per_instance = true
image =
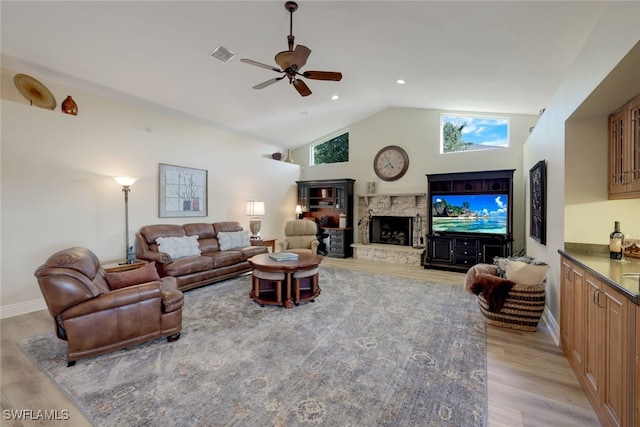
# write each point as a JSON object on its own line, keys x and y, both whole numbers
{"x": 577, "y": 207}
{"x": 418, "y": 132}
{"x": 58, "y": 191}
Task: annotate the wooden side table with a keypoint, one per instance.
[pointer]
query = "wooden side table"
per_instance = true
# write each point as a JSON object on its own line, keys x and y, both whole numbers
{"x": 114, "y": 267}
{"x": 265, "y": 242}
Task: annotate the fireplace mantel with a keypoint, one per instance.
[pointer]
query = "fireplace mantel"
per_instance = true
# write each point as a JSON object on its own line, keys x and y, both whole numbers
{"x": 390, "y": 196}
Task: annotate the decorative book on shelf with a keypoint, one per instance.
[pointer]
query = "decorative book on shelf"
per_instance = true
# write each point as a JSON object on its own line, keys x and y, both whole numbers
{"x": 283, "y": 256}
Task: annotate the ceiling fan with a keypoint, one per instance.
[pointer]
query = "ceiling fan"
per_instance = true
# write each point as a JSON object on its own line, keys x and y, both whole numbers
{"x": 291, "y": 61}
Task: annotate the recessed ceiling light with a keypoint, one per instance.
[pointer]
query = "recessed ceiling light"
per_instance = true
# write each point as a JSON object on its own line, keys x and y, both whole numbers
{"x": 222, "y": 54}
{"x": 334, "y": 97}
{"x": 400, "y": 81}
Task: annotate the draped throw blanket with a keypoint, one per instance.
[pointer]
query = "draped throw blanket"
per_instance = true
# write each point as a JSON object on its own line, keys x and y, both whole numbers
{"x": 495, "y": 290}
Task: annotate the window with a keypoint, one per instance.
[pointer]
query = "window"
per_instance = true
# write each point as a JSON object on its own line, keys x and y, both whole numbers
{"x": 335, "y": 150}
{"x": 467, "y": 133}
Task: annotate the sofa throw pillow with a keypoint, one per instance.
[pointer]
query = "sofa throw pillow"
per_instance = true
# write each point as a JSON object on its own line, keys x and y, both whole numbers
{"x": 526, "y": 274}
{"x": 122, "y": 279}
{"x": 179, "y": 247}
{"x": 233, "y": 239}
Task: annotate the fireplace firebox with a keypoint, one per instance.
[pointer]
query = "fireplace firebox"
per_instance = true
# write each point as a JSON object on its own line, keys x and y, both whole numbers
{"x": 391, "y": 230}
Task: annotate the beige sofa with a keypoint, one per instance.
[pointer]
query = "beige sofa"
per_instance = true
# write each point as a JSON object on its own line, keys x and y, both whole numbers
{"x": 201, "y": 253}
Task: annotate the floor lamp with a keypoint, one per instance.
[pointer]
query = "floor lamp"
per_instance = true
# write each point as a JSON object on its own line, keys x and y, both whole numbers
{"x": 126, "y": 183}
{"x": 254, "y": 210}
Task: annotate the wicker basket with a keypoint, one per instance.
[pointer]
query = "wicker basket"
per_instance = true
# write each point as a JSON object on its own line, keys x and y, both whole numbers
{"x": 522, "y": 309}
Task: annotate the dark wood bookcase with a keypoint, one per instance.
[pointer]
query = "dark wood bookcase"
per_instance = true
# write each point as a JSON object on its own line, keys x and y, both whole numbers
{"x": 457, "y": 251}
{"x": 323, "y": 201}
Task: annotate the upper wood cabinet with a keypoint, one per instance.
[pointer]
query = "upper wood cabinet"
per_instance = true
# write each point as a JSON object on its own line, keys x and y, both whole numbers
{"x": 624, "y": 151}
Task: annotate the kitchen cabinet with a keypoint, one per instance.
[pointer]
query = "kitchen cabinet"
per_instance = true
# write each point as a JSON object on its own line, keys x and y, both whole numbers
{"x": 599, "y": 337}
{"x": 624, "y": 151}
{"x": 607, "y": 352}
{"x": 572, "y": 316}
{"x": 637, "y": 399}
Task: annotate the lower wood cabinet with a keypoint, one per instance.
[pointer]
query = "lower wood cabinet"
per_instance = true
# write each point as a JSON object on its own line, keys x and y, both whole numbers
{"x": 637, "y": 410}
{"x": 460, "y": 252}
{"x": 599, "y": 333}
{"x": 572, "y": 316}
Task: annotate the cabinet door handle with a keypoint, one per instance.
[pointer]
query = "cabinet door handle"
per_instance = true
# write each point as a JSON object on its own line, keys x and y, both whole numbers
{"x": 596, "y": 297}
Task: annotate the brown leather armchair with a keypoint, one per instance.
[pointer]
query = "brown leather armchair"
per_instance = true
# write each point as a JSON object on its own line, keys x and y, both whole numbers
{"x": 95, "y": 319}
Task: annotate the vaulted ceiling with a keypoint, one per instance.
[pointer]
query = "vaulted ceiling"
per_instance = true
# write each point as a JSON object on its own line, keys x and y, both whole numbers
{"x": 492, "y": 57}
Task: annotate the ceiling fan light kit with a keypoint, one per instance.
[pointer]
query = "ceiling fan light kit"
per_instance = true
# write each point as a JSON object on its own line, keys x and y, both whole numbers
{"x": 291, "y": 61}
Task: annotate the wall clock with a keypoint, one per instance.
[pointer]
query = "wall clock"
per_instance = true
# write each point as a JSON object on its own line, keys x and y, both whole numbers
{"x": 391, "y": 163}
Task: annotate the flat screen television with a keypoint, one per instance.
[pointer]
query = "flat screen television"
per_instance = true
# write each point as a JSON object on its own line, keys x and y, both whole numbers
{"x": 470, "y": 213}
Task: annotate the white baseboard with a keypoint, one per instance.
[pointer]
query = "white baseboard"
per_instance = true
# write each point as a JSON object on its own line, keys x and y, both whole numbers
{"x": 552, "y": 325}
{"x": 22, "y": 308}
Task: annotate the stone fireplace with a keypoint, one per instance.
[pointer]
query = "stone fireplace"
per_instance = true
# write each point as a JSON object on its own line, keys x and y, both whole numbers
{"x": 391, "y": 230}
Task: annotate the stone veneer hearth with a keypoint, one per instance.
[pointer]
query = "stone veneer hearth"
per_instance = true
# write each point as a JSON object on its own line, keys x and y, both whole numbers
{"x": 401, "y": 205}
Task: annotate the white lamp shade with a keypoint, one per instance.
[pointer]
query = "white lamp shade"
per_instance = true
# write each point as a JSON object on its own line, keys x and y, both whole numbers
{"x": 298, "y": 209}
{"x": 255, "y": 208}
{"x": 125, "y": 181}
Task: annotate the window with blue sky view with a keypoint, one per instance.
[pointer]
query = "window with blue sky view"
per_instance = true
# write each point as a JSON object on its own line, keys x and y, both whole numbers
{"x": 467, "y": 133}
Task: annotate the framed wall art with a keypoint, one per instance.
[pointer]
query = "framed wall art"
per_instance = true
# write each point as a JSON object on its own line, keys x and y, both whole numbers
{"x": 538, "y": 189}
{"x": 182, "y": 192}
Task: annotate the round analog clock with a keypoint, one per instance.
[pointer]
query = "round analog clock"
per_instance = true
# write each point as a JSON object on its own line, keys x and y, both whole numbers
{"x": 391, "y": 163}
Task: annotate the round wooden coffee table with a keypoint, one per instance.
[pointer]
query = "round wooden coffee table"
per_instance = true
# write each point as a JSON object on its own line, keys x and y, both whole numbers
{"x": 263, "y": 263}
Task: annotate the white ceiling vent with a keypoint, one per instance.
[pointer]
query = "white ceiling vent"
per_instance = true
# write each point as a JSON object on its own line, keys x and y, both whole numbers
{"x": 222, "y": 54}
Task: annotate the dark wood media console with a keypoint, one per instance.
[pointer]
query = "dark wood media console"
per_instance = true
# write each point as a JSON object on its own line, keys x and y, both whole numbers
{"x": 457, "y": 251}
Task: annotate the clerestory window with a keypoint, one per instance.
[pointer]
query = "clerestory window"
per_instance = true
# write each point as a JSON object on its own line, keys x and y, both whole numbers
{"x": 466, "y": 133}
{"x": 335, "y": 150}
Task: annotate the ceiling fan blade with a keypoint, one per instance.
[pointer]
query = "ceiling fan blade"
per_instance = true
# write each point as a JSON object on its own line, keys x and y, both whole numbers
{"x": 267, "y": 83}
{"x": 260, "y": 64}
{"x": 301, "y": 87}
{"x": 323, "y": 75}
{"x": 299, "y": 57}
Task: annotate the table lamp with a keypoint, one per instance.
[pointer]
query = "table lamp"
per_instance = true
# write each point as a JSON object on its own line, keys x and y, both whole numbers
{"x": 255, "y": 209}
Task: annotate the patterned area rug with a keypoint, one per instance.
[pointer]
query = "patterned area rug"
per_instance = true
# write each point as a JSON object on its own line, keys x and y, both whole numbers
{"x": 372, "y": 350}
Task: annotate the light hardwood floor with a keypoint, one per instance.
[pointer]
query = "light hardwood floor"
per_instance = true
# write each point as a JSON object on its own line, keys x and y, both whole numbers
{"x": 529, "y": 380}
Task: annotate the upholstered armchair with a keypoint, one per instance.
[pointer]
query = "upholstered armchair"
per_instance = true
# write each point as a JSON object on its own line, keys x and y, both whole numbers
{"x": 98, "y": 312}
{"x": 300, "y": 237}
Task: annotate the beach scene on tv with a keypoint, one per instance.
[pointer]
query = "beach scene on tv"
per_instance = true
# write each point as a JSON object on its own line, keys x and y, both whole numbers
{"x": 478, "y": 213}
